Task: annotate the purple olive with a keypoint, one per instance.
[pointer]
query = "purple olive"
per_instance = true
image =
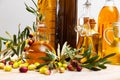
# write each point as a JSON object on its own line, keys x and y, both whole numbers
{"x": 11, "y": 63}
{"x": 74, "y": 63}
{"x": 70, "y": 67}
{"x": 31, "y": 35}
{"x": 4, "y": 62}
{"x": 30, "y": 42}
{"x": 79, "y": 68}
{"x": 23, "y": 69}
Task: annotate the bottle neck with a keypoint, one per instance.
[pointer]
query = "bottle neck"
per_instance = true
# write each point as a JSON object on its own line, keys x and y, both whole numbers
{"x": 109, "y": 3}
{"x": 87, "y": 8}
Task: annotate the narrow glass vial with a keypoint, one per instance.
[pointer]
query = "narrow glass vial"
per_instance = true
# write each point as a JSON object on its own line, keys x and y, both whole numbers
{"x": 108, "y": 14}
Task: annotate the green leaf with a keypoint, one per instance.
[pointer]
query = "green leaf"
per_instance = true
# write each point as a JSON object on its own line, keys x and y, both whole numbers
{"x": 24, "y": 34}
{"x": 87, "y": 53}
{"x": 34, "y": 26}
{"x": 14, "y": 40}
{"x": 95, "y": 69}
{"x": 8, "y": 34}
{"x": 88, "y": 66}
{"x": 102, "y": 66}
{"x": 5, "y": 39}
{"x": 105, "y": 58}
{"x": 28, "y": 9}
{"x": 22, "y": 47}
{"x": 52, "y": 57}
{"x": 45, "y": 58}
{"x": 5, "y": 53}
{"x": 110, "y": 55}
{"x": 34, "y": 3}
{"x": 12, "y": 54}
{"x": 33, "y": 9}
{"x": 40, "y": 16}
{"x": 50, "y": 54}
{"x": 27, "y": 32}
{"x": 13, "y": 49}
{"x": 70, "y": 54}
{"x": 18, "y": 33}
{"x": 18, "y": 49}
{"x": 90, "y": 60}
{"x": 42, "y": 64}
{"x": 8, "y": 59}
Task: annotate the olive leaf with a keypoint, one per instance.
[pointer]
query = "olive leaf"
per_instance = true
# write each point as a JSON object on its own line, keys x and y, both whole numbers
{"x": 8, "y": 34}
{"x": 14, "y": 45}
{"x": 18, "y": 33}
{"x": 34, "y": 26}
{"x": 14, "y": 40}
{"x": 37, "y": 14}
{"x": 94, "y": 64}
{"x": 50, "y": 56}
{"x": 46, "y": 58}
{"x": 22, "y": 47}
{"x": 42, "y": 64}
{"x": 14, "y": 50}
{"x": 87, "y": 52}
{"x": 90, "y": 60}
{"x": 28, "y": 9}
{"x": 18, "y": 49}
{"x": 34, "y": 3}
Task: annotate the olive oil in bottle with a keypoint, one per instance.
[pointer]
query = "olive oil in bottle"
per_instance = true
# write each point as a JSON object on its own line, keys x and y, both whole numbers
{"x": 108, "y": 14}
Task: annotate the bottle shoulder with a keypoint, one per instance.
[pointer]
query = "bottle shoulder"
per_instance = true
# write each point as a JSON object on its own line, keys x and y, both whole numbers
{"x": 109, "y": 13}
{"x": 109, "y": 8}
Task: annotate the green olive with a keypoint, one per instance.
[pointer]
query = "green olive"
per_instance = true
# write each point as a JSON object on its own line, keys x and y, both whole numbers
{"x": 7, "y": 68}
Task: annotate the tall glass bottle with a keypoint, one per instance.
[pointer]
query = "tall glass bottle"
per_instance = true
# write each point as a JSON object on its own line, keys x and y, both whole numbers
{"x": 83, "y": 25}
{"x": 66, "y": 21}
{"x": 48, "y": 8}
{"x": 108, "y": 14}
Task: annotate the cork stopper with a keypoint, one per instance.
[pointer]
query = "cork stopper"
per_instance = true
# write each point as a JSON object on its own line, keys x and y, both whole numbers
{"x": 92, "y": 23}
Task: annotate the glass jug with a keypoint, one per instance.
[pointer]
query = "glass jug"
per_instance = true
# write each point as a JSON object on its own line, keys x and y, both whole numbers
{"x": 107, "y": 15}
{"x": 38, "y": 48}
{"x": 114, "y": 44}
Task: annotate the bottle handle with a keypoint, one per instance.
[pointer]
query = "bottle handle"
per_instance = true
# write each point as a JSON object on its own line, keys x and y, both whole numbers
{"x": 106, "y": 31}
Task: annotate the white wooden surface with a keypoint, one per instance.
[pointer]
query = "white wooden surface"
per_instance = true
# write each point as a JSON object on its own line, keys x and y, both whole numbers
{"x": 111, "y": 73}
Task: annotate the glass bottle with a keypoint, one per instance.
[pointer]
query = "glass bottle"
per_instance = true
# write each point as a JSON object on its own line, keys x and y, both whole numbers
{"x": 108, "y": 14}
{"x": 95, "y": 35}
{"x": 66, "y": 21}
{"x": 48, "y": 8}
{"x": 41, "y": 43}
{"x": 83, "y": 26}
{"x": 86, "y": 34}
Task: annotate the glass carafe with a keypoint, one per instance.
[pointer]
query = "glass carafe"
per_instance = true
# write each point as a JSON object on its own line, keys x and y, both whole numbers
{"x": 38, "y": 48}
{"x": 114, "y": 44}
{"x": 108, "y": 14}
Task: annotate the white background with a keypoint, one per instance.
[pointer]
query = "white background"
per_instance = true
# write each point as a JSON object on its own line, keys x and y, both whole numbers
{"x": 13, "y": 12}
